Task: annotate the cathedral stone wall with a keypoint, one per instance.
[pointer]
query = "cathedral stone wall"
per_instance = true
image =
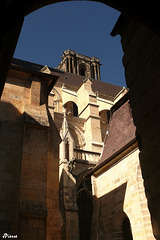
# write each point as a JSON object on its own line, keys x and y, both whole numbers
{"x": 11, "y": 138}
{"x": 29, "y": 157}
{"x": 119, "y": 190}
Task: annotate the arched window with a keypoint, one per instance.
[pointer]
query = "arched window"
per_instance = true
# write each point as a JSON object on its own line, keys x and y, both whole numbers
{"x": 105, "y": 116}
{"x": 67, "y": 150}
{"x": 104, "y": 121}
{"x": 71, "y": 109}
{"x": 82, "y": 69}
{"x": 92, "y": 72}
{"x": 75, "y": 110}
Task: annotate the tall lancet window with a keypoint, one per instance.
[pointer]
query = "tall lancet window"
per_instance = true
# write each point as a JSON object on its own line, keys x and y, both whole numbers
{"x": 71, "y": 65}
{"x": 85, "y": 206}
{"x": 67, "y": 65}
{"x": 82, "y": 69}
{"x": 67, "y": 145}
{"x": 92, "y": 72}
{"x": 67, "y": 149}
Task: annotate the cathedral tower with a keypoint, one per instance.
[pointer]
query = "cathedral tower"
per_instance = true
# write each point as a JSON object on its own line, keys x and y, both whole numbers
{"x": 80, "y": 64}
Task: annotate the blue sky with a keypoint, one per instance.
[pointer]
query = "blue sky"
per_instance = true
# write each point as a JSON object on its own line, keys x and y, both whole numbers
{"x": 81, "y": 26}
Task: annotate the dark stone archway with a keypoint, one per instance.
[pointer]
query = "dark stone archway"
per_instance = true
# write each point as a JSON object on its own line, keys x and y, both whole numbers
{"x": 146, "y": 113}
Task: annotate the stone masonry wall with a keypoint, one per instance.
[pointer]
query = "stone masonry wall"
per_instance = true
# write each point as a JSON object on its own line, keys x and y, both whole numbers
{"x": 29, "y": 181}
{"x": 33, "y": 189}
{"x": 11, "y": 140}
{"x": 120, "y": 191}
{"x": 68, "y": 203}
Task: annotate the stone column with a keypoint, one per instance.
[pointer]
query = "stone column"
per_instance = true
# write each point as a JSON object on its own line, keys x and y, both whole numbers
{"x": 66, "y": 64}
{"x": 73, "y": 65}
{"x": 98, "y": 73}
{"x": 62, "y": 149}
{"x": 77, "y": 67}
{"x": 88, "y": 109}
{"x": 69, "y": 63}
{"x": 95, "y": 72}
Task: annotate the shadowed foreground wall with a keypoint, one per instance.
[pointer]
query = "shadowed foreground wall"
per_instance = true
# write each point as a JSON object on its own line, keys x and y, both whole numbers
{"x": 11, "y": 138}
{"x": 141, "y": 62}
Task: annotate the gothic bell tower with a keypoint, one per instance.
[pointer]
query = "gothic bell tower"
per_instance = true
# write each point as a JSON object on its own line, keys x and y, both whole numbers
{"x": 80, "y": 64}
